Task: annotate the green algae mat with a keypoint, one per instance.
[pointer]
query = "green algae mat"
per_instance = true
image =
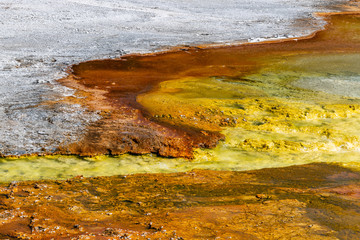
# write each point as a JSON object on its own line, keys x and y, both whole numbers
{"x": 286, "y": 166}
{"x": 277, "y": 104}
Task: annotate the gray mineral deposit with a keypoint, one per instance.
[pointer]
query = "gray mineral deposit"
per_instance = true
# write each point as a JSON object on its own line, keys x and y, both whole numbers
{"x": 40, "y": 39}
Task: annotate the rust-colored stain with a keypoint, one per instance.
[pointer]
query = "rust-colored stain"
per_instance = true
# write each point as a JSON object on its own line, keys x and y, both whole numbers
{"x": 299, "y": 202}
{"x": 112, "y": 87}
{"x": 314, "y": 201}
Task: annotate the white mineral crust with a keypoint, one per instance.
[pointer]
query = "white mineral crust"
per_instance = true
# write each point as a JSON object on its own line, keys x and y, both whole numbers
{"x": 40, "y": 38}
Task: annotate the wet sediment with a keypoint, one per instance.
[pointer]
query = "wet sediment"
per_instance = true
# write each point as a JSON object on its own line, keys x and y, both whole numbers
{"x": 315, "y": 201}
{"x": 263, "y": 110}
{"x": 140, "y": 115}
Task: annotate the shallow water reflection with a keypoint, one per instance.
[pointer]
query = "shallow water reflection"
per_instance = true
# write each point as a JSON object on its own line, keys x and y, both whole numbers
{"x": 277, "y": 104}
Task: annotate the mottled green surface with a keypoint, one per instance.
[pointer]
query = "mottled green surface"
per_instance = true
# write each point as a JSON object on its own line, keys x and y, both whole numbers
{"x": 271, "y": 125}
{"x": 295, "y": 108}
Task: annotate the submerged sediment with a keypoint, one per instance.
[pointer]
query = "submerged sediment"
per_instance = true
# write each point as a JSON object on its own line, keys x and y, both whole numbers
{"x": 173, "y": 102}
{"x": 125, "y": 126}
{"x": 316, "y": 201}
{"x": 264, "y": 98}
{"x": 40, "y": 39}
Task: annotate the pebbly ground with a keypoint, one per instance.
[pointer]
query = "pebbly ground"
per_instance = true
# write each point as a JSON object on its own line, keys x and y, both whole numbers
{"x": 40, "y": 39}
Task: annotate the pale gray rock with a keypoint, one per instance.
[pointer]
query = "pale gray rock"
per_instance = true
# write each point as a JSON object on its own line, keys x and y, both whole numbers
{"x": 40, "y": 39}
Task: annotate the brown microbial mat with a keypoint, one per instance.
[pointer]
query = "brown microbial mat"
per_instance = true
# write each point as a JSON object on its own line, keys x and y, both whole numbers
{"x": 267, "y": 110}
{"x": 138, "y": 109}
{"x": 315, "y": 201}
